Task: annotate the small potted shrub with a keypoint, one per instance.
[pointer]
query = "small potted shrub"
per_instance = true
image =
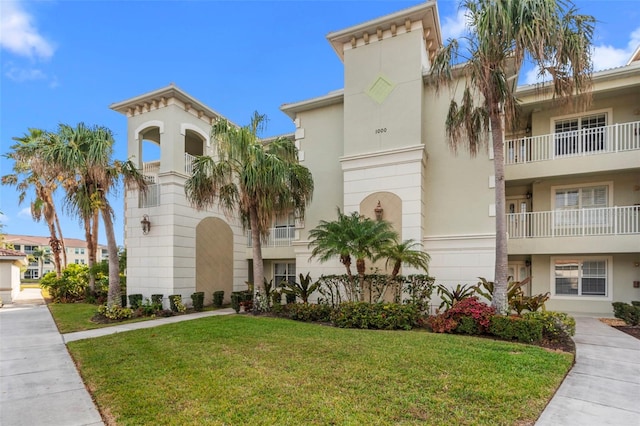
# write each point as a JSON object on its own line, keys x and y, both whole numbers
{"x": 218, "y": 297}
{"x": 198, "y": 300}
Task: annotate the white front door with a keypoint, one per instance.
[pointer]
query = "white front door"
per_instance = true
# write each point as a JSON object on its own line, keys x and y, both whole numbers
{"x": 518, "y": 220}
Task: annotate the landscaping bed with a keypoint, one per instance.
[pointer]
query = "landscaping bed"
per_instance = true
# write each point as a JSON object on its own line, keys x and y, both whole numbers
{"x": 631, "y": 330}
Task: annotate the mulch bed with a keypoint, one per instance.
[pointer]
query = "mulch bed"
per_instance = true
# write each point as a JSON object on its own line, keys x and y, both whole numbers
{"x": 631, "y": 330}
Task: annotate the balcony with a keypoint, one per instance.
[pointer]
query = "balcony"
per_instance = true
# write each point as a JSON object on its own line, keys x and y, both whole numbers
{"x": 577, "y": 151}
{"x": 611, "y": 229}
{"x": 278, "y": 237}
{"x": 151, "y": 169}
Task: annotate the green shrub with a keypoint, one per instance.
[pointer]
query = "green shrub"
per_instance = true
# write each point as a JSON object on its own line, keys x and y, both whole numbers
{"x": 303, "y": 289}
{"x": 70, "y": 287}
{"x": 452, "y": 296}
{"x": 525, "y": 330}
{"x": 382, "y": 316}
{"x": 417, "y": 290}
{"x": 239, "y": 298}
{"x": 135, "y": 300}
{"x": 636, "y": 303}
{"x": 156, "y": 299}
{"x": 626, "y": 312}
{"x": 198, "y": 301}
{"x": 276, "y": 298}
{"x": 308, "y": 312}
{"x": 290, "y": 298}
{"x": 218, "y": 298}
{"x": 175, "y": 303}
{"x": 555, "y": 325}
{"x": 115, "y": 312}
{"x": 148, "y": 308}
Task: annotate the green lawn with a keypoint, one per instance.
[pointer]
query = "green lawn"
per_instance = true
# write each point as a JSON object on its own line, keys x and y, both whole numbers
{"x": 265, "y": 371}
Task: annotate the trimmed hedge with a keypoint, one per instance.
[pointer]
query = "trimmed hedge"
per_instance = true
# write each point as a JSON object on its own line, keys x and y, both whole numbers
{"x": 627, "y": 313}
{"x": 381, "y": 316}
{"x": 516, "y": 328}
{"x": 308, "y": 312}
{"x": 198, "y": 301}
{"x": 555, "y": 325}
{"x": 135, "y": 301}
{"x": 218, "y": 298}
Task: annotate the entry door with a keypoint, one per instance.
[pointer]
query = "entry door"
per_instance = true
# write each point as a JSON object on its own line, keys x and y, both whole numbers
{"x": 518, "y": 271}
{"x": 518, "y": 223}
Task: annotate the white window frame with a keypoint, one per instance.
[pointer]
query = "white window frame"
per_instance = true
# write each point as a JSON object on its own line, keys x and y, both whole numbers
{"x": 581, "y": 259}
{"x": 579, "y": 187}
{"x": 288, "y": 272}
{"x": 608, "y": 113}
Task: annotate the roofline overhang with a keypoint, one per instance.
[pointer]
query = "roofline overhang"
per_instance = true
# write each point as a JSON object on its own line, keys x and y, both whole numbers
{"x": 167, "y": 92}
{"x": 333, "y": 98}
{"x": 543, "y": 92}
{"x": 426, "y": 12}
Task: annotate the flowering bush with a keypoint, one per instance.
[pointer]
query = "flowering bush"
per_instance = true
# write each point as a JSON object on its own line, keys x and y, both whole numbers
{"x": 468, "y": 316}
{"x": 175, "y": 302}
{"x": 115, "y": 312}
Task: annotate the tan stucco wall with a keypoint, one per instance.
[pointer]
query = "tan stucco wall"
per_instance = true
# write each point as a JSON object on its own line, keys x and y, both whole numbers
{"x": 399, "y": 60}
{"x": 623, "y": 274}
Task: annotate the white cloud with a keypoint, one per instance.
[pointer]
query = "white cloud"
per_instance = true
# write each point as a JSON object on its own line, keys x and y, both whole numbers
{"x": 19, "y": 35}
{"x": 26, "y": 212}
{"x": 454, "y": 27}
{"x": 603, "y": 57}
{"x": 24, "y": 74}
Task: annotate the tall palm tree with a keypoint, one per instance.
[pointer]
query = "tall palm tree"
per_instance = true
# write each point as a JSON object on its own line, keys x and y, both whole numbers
{"x": 501, "y": 34}
{"x": 85, "y": 153}
{"x": 350, "y": 236}
{"x": 252, "y": 180}
{"x": 31, "y": 171}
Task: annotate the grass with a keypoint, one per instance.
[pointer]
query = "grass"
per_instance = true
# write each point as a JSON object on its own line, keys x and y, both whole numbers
{"x": 265, "y": 371}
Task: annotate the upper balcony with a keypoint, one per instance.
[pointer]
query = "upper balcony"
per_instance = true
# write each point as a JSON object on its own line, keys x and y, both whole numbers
{"x": 598, "y": 149}
{"x": 150, "y": 170}
{"x": 278, "y": 244}
{"x": 592, "y": 230}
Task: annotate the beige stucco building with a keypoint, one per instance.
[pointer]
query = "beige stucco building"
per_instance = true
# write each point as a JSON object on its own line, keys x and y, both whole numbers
{"x": 573, "y": 179}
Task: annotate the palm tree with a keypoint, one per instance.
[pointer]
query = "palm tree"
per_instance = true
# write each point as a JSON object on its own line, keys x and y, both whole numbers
{"x": 31, "y": 171}
{"x": 350, "y": 236}
{"x": 252, "y": 180}
{"x": 501, "y": 34}
{"x": 405, "y": 253}
{"x": 84, "y": 153}
{"x": 41, "y": 256}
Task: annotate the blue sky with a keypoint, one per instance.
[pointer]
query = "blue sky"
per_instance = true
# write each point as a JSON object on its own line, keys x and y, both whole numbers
{"x": 67, "y": 61}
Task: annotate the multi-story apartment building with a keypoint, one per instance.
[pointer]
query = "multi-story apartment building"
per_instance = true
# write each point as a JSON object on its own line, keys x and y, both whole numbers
{"x": 30, "y": 245}
{"x": 573, "y": 178}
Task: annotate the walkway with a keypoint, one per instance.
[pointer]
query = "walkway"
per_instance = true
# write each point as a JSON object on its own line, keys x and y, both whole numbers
{"x": 603, "y": 387}
{"x": 39, "y": 383}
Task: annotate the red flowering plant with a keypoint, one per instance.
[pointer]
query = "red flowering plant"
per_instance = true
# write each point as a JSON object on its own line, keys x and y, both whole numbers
{"x": 468, "y": 316}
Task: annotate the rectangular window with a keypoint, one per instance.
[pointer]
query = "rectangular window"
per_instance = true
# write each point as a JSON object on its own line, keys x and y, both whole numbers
{"x": 77, "y": 261}
{"x": 30, "y": 249}
{"x": 579, "y": 135}
{"x": 585, "y": 207}
{"x": 581, "y": 277}
{"x": 77, "y": 251}
{"x": 31, "y": 274}
{"x": 285, "y": 226}
{"x": 284, "y": 272}
{"x": 81, "y": 251}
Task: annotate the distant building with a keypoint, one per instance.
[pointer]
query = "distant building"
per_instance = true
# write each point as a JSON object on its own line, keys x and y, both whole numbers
{"x": 76, "y": 252}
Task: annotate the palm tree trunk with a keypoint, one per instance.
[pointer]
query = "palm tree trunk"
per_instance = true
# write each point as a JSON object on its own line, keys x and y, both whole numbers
{"x": 113, "y": 296}
{"x": 62, "y": 244}
{"x": 88, "y": 238}
{"x": 258, "y": 266}
{"x": 500, "y": 301}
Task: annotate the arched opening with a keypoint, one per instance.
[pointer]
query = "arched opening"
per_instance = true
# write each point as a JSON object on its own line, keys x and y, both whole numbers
{"x": 194, "y": 145}
{"x": 214, "y": 258}
{"x": 149, "y": 151}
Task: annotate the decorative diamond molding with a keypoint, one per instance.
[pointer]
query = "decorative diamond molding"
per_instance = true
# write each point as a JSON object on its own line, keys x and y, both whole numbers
{"x": 380, "y": 89}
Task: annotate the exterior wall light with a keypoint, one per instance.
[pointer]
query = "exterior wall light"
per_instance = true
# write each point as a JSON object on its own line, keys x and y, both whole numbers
{"x": 146, "y": 224}
{"x": 378, "y": 211}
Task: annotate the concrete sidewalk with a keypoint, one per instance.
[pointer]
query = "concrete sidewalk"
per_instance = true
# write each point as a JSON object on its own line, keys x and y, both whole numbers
{"x": 603, "y": 387}
{"x": 39, "y": 383}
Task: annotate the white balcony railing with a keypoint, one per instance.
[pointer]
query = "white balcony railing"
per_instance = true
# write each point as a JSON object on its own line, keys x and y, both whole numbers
{"x": 278, "y": 237}
{"x": 598, "y": 140}
{"x": 188, "y": 163}
{"x": 575, "y": 223}
{"x": 152, "y": 197}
